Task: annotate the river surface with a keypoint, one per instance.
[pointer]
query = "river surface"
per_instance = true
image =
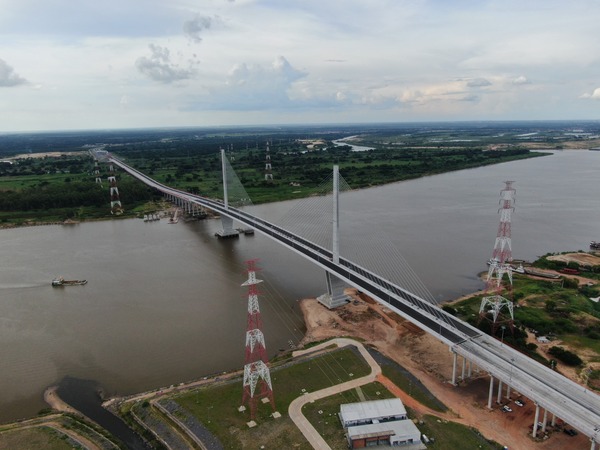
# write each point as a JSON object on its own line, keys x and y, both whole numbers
{"x": 164, "y": 305}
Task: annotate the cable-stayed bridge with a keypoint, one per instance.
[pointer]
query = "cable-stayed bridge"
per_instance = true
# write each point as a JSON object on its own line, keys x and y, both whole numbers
{"x": 552, "y": 393}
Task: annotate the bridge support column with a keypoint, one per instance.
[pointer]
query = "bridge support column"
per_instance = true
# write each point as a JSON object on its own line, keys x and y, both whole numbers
{"x": 491, "y": 392}
{"x": 507, "y": 391}
{"x": 553, "y": 423}
{"x": 544, "y": 421}
{"x": 228, "y": 230}
{"x": 454, "y": 356}
{"x": 593, "y": 447}
{"x": 335, "y": 295}
{"x": 535, "y": 421}
{"x": 464, "y": 367}
{"x": 499, "y": 397}
{"x": 470, "y": 369}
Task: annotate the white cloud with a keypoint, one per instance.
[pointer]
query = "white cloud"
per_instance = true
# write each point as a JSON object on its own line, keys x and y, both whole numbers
{"x": 193, "y": 28}
{"x": 8, "y": 76}
{"x": 478, "y": 82}
{"x": 159, "y": 67}
{"x": 594, "y": 95}
{"x": 521, "y": 80}
{"x": 255, "y": 87}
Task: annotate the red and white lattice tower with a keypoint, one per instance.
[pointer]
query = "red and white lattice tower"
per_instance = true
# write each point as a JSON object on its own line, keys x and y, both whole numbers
{"x": 115, "y": 202}
{"x": 257, "y": 377}
{"x": 502, "y": 254}
{"x": 268, "y": 174}
{"x": 499, "y": 264}
{"x": 97, "y": 172}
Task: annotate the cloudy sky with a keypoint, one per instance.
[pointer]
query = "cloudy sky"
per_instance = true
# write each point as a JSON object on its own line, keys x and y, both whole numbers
{"x": 82, "y": 64}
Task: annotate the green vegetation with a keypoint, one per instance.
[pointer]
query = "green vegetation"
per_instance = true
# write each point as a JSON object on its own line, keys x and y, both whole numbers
{"x": 216, "y": 406}
{"x": 404, "y": 381}
{"x": 565, "y": 356}
{"x": 451, "y": 435}
{"x": 36, "y": 437}
{"x": 297, "y": 172}
{"x": 52, "y": 188}
{"x": 559, "y": 309}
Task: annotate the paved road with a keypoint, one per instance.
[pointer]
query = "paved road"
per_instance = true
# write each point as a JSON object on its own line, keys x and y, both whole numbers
{"x": 295, "y": 409}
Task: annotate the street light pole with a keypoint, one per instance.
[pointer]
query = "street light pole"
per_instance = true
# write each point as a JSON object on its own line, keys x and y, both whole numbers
{"x": 512, "y": 360}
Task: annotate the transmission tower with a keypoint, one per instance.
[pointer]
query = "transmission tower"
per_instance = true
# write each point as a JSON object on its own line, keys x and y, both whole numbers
{"x": 500, "y": 265}
{"x": 257, "y": 377}
{"x": 97, "y": 172}
{"x": 115, "y": 202}
{"x": 268, "y": 174}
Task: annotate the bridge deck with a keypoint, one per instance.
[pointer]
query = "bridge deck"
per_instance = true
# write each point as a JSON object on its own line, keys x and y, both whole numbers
{"x": 552, "y": 391}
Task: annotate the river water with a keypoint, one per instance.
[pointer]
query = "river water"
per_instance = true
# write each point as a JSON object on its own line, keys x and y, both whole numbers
{"x": 164, "y": 304}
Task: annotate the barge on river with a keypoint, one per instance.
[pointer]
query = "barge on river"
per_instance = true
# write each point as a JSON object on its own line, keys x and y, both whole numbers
{"x": 60, "y": 281}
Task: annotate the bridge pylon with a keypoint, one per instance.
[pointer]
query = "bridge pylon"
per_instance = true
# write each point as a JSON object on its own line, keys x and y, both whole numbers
{"x": 227, "y": 230}
{"x": 335, "y": 295}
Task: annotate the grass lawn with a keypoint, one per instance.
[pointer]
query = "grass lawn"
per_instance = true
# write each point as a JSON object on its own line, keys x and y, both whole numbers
{"x": 39, "y": 438}
{"x": 216, "y": 406}
{"x": 415, "y": 390}
{"x": 452, "y": 436}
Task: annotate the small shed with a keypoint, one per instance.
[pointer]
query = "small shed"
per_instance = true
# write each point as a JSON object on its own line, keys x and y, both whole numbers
{"x": 375, "y": 411}
{"x": 395, "y": 433}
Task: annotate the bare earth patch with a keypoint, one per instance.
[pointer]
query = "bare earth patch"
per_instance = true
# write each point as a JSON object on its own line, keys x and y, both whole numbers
{"x": 584, "y": 259}
{"x": 44, "y": 155}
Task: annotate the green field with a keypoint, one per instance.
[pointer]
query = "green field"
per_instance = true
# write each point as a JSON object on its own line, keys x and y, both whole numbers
{"x": 40, "y": 437}
{"x": 216, "y": 406}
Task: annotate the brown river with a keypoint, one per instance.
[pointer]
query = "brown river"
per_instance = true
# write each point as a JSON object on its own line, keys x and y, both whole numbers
{"x": 163, "y": 303}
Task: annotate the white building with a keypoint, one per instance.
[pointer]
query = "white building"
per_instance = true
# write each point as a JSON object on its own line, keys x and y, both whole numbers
{"x": 364, "y": 413}
{"x": 396, "y": 432}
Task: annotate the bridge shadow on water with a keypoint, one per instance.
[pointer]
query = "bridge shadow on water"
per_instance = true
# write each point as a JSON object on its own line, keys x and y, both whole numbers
{"x": 85, "y": 396}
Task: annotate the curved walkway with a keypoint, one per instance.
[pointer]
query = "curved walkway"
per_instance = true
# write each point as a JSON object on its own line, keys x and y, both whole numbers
{"x": 295, "y": 409}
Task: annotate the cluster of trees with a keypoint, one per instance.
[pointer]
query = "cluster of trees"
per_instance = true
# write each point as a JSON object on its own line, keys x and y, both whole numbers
{"x": 72, "y": 195}
{"x": 566, "y": 356}
{"x": 43, "y": 166}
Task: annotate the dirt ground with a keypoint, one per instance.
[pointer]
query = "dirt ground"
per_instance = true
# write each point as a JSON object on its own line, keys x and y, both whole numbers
{"x": 43, "y": 155}
{"x": 583, "y": 259}
{"x": 431, "y": 362}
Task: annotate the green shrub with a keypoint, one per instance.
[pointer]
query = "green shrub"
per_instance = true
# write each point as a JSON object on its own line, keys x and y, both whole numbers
{"x": 565, "y": 356}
